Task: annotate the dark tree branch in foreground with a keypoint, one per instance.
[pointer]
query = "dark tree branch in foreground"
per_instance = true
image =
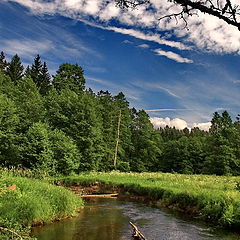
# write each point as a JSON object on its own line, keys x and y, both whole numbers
{"x": 222, "y": 9}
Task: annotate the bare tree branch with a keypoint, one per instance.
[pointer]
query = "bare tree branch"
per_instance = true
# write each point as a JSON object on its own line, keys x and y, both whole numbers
{"x": 226, "y": 12}
{"x": 10, "y": 231}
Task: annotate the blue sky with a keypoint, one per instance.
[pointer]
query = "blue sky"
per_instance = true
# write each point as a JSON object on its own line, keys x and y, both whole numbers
{"x": 180, "y": 77}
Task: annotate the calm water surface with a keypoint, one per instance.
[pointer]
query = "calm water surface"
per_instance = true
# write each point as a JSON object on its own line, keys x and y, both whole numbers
{"x": 108, "y": 219}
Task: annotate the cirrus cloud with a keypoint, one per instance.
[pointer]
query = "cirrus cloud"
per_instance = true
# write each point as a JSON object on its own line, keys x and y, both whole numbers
{"x": 173, "y": 56}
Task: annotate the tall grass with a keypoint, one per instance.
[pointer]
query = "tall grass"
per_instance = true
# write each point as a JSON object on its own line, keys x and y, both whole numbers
{"x": 213, "y": 198}
{"x": 25, "y": 201}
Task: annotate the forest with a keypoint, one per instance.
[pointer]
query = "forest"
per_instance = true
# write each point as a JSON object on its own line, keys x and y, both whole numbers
{"x": 57, "y": 125}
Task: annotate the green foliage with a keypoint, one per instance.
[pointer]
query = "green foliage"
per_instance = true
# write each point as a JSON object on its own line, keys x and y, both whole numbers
{"x": 147, "y": 143}
{"x": 31, "y": 201}
{"x": 62, "y": 128}
{"x": 37, "y": 152}
{"x": 49, "y": 150}
{"x": 82, "y": 126}
{"x": 237, "y": 187}
{"x": 65, "y": 152}
{"x": 184, "y": 156}
{"x": 69, "y": 77}
{"x": 29, "y": 102}
{"x": 9, "y": 121}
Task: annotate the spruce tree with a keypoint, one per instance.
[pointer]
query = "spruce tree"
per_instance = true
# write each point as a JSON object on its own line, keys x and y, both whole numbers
{"x": 35, "y": 71}
{"x": 15, "y": 69}
{"x": 45, "y": 80}
{"x": 39, "y": 74}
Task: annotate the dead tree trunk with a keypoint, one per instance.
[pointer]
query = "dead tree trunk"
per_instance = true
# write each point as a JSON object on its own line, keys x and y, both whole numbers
{"x": 117, "y": 140}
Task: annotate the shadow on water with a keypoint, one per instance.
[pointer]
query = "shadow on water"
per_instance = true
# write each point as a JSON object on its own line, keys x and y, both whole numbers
{"x": 108, "y": 219}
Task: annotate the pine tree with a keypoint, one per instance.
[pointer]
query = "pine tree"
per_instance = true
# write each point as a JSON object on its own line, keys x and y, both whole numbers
{"x": 15, "y": 69}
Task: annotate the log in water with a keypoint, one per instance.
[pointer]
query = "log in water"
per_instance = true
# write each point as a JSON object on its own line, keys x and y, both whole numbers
{"x": 108, "y": 219}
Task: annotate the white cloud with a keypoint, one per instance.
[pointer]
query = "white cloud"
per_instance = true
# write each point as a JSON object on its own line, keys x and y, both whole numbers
{"x": 178, "y": 123}
{"x": 202, "y": 126}
{"x": 163, "y": 122}
{"x": 173, "y": 56}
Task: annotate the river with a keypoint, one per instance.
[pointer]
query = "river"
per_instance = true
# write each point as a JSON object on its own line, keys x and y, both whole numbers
{"x": 108, "y": 219}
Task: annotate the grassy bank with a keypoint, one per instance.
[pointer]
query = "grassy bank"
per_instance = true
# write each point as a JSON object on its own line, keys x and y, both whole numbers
{"x": 25, "y": 201}
{"x": 214, "y": 199}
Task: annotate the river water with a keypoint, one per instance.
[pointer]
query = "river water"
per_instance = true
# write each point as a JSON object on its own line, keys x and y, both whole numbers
{"x": 108, "y": 219}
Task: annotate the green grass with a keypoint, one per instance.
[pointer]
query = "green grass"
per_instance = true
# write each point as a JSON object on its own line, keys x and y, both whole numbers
{"x": 214, "y": 199}
{"x": 33, "y": 201}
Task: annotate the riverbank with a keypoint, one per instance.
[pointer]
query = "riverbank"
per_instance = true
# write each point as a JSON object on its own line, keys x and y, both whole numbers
{"x": 211, "y": 198}
{"x": 25, "y": 202}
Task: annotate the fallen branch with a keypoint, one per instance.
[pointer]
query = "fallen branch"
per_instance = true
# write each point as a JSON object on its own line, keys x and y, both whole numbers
{"x": 10, "y": 231}
{"x": 136, "y": 233}
{"x": 111, "y": 195}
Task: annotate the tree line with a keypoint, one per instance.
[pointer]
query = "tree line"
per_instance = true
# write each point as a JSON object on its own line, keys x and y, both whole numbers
{"x": 54, "y": 123}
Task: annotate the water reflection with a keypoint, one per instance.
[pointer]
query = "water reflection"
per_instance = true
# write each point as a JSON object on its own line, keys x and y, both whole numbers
{"x": 108, "y": 219}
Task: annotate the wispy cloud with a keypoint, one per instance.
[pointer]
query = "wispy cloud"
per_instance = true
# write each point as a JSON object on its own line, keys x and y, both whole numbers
{"x": 155, "y": 86}
{"x": 173, "y": 56}
{"x": 143, "y": 46}
{"x": 131, "y": 93}
{"x": 236, "y": 81}
{"x": 168, "y": 110}
{"x": 96, "y": 69}
{"x": 149, "y": 37}
{"x": 156, "y": 38}
{"x": 26, "y": 48}
{"x": 54, "y": 43}
{"x": 199, "y": 96}
{"x": 127, "y": 42}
